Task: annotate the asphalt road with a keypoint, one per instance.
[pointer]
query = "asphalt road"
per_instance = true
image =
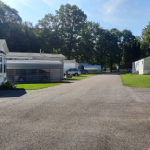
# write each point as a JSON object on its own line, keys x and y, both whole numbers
{"x": 98, "y": 113}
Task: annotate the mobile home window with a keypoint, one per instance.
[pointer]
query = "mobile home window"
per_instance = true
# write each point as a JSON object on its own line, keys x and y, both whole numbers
{"x": 4, "y": 68}
{"x": 0, "y": 68}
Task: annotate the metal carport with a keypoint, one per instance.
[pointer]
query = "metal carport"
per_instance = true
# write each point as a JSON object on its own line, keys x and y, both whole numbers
{"x": 33, "y": 71}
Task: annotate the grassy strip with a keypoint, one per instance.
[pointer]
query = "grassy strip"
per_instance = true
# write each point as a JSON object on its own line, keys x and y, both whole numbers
{"x": 135, "y": 80}
{"x": 34, "y": 86}
{"x": 87, "y": 75}
{"x": 76, "y": 78}
{"x": 79, "y": 77}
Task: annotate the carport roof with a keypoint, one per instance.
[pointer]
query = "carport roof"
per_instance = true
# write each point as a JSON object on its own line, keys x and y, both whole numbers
{"x": 1, "y": 41}
{"x": 3, "y": 46}
{"x": 28, "y": 54}
{"x": 33, "y": 64}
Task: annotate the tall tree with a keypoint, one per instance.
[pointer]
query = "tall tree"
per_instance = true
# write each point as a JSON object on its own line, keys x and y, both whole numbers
{"x": 108, "y": 48}
{"x": 9, "y": 18}
{"x": 8, "y": 14}
{"x": 71, "y": 20}
{"x": 119, "y": 36}
{"x": 145, "y": 42}
{"x": 49, "y": 30}
{"x": 127, "y": 36}
{"x": 131, "y": 52}
{"x": 87, "y": 43}
{"x": 128, "y": 48}
{"x": 101, "y": 53}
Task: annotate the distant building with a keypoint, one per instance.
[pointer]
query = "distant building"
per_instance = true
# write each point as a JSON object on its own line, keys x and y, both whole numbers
{"x": 69, "y": 64}
{"x": 122, "y": 68}
{"x": 92, "y": 69}
{"x": 142, "y": 66}
{"x": 80, "y": 64}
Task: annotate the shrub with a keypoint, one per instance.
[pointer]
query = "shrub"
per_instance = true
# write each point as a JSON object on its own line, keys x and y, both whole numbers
{"x": 7, "y": 85}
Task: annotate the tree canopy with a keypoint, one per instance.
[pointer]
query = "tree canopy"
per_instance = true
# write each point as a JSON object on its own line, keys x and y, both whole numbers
{"x": 68, "y": 32}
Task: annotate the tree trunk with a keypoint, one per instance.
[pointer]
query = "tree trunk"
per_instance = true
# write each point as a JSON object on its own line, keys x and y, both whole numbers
{"x": 119, "y": 63}
{"x": 101, "y": 63}
{"x": 111, "y": 66}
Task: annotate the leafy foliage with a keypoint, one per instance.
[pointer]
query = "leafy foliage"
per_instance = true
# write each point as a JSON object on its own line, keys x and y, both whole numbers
{"x": 145, "y": 43}
{"x": 8, "y": 14}
{"x": 68, "y": 32}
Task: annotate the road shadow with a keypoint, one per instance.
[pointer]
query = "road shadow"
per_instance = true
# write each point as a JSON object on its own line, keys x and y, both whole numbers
{"x": 12, "y": 93}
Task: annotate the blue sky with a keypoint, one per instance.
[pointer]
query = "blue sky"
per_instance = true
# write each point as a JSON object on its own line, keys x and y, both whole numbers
{"x": 133, "y": 15}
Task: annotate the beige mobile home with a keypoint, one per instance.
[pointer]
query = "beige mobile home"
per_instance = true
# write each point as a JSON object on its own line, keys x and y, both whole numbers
{"x": 3, "y": 51}
{"x": 142, "y": 66}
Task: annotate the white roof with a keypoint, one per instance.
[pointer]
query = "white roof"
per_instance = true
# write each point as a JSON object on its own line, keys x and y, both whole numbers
{"x": 141, "y": 59}
{"x": 2, "y": 41}
{"x": 69, "y": 61}
{"x": 34, "y": 61}
{"x": 13, "y": 57}
{"x": 33, "y": 64}
{"x": 3, "y": 46}
{"x": 28, "y": 54}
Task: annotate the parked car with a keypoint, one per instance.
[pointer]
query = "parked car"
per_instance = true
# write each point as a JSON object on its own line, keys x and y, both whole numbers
{"x": 32, "y": 75}
{"x": 84, "y": 71}
{"x": 73, "y": 71}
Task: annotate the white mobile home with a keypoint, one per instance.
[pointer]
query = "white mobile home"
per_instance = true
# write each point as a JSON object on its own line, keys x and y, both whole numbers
{"x": 3, "y": 51}
{"x": 69, "y": 64}
{"x": 142, "y": 66}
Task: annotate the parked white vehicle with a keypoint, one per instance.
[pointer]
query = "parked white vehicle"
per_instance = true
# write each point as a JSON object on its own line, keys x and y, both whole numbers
{"x": 73, "y": 71}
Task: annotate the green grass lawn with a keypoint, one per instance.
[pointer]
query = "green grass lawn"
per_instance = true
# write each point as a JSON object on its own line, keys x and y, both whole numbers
{"x": 34, "y": 86}
{"x": 80, "y": 77}
{"x": 87, "y": 75}
{"x": 136, "y": 80}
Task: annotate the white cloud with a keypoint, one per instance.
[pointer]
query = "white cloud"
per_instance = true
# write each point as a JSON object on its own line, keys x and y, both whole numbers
{"x": 51, "y": 4}
{"x": 111, "y": 11}
{"x": 17, "y": 3}
{"x": 25, "y": 2}
{"x": 54, "y": 4}
{"x": 75, "y": 2}
{"x": 111, "y": 6}
{"x": 88, "y": 14}
{"x": 11, "y": 3}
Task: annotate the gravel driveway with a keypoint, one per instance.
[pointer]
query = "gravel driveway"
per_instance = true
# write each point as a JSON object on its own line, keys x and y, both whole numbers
{"x": 98, "y": 113}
